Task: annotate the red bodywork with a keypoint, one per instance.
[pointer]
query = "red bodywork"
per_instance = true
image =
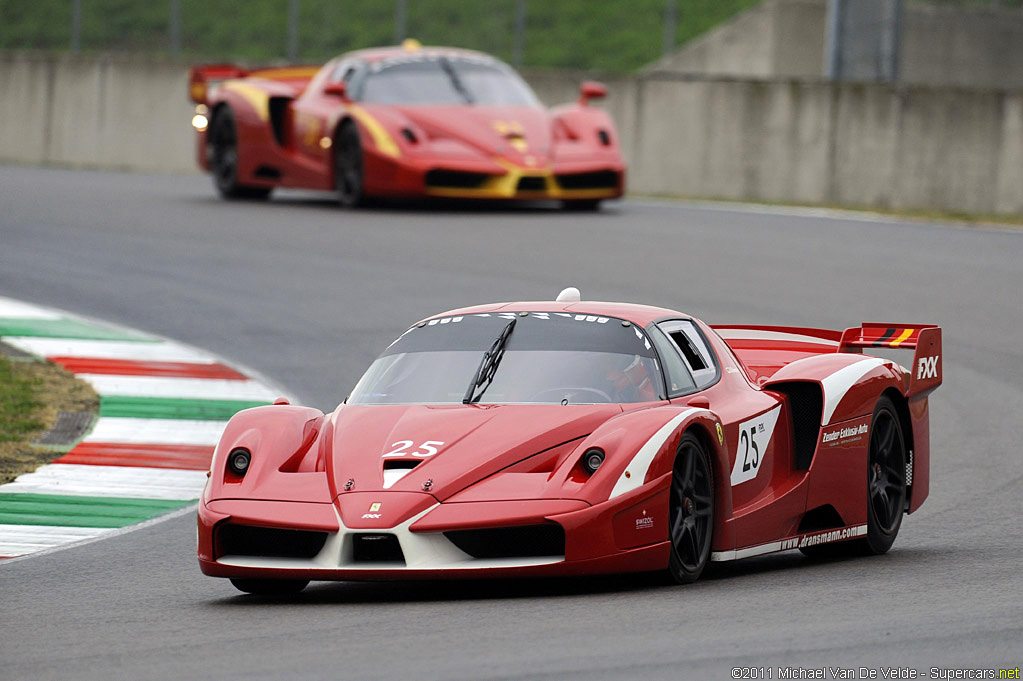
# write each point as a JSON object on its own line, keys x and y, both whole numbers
{"x": 288, "y": 120}
{"x": 515, "y": 465}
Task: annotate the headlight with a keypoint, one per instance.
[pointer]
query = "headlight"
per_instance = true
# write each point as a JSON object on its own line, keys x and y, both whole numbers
{"x": 592, "y": 459}
{"x": 238, "y": 461}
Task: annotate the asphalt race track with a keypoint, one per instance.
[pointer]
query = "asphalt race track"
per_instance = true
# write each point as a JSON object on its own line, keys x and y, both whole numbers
{"x": 308, "y": 294}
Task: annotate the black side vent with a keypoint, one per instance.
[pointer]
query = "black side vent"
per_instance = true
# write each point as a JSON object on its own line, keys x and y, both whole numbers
{"x": 268, "y": 542}
{"x": 278, "y": 109}
{"x": 821, "y": 518}
{"x": 601, "y": 179}
{"x": 806, "y": 405}
{"x": 377, "y": 548}
{"x": 532, "y": 184}
{"x": 456, "y": 179}
{"x": 268, "y": 173}
{"x": 527, "y": 541}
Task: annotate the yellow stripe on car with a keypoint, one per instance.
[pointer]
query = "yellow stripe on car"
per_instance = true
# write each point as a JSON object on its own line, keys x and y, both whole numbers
{"x": 902, "y": 338}
{"x": 258, "y": 99}
{"x": 381, "y": 138}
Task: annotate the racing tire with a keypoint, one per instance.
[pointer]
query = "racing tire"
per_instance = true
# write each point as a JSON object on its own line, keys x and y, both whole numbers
{"x": 223, "y": 145}
{"x": 348, "y": 168}
{"x": 581, "y": 205}
{"x": 270, "y": 587}
{"x": 886, "y": 488}
{"x": 690, "y": 511}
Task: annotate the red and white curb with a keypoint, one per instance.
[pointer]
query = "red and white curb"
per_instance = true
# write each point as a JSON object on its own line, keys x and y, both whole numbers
{"x": 163, "y": 408}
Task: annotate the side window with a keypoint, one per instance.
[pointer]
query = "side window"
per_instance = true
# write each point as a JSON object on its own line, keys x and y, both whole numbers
{"x": 694, "y": 350}
{"x": 676, "y": 374}
{"x": 344, "y": 71}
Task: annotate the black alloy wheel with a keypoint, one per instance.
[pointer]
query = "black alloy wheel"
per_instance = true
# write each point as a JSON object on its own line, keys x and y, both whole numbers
{"x": 223, "y": 153}
{"x": 691, "y": 511}
{"x": 348, "y": 166}
{"x": 886, "y": 479}
{"x": 886, "y": 489}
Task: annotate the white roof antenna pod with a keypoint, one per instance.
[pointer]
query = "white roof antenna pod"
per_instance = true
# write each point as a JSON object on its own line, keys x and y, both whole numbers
{"x": 569, "y": 295}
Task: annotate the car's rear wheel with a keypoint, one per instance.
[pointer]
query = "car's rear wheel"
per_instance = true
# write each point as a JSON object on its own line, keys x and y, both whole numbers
{"x": 886, "y": 488}
{"x": 270, "y": 587}
{"x": 581, "y": 205}
{"x": 223, "y": 144}
{"x": 690, "y": 511}
{"x": 886, "y": 479}
{"x": 348, "y": 170}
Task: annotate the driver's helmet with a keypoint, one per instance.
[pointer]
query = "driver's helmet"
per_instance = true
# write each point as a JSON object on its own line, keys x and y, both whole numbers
{"x": 629, "y": 379}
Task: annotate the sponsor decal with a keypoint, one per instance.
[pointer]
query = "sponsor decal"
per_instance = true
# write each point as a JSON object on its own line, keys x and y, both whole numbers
{"x": 845, "y": 434}
{"x": 371, "y": 516}
{"x": 927, "y": 367}
{"x": 644, "y": 523}
{"x": 828, "y": 536}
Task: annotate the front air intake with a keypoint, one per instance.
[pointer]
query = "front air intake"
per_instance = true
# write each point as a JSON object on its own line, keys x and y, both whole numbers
{"x": 532, "y": 184}
{"x": 377, "y": 548}
{"x": 600, "y": 179}
{"x": 455, "y": 179}
{"x": 267, "y": 542}
{"x": 527, "y": 541}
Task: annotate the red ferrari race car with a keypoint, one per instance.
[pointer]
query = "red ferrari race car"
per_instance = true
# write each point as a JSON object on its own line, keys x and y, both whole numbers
{"x": 570, "y": 438}
{"x": 402, "y": 122}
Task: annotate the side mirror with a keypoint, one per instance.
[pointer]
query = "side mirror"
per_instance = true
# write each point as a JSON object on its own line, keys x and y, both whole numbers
{"x": 339, "y": 90}
{"x": 591, "y": 89}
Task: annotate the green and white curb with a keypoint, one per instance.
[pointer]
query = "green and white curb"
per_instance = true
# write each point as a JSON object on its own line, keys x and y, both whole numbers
{"x": 163, "y": 406}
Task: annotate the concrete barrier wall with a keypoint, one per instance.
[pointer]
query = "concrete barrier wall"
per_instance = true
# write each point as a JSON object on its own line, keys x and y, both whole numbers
{"x": 798, "y": 141}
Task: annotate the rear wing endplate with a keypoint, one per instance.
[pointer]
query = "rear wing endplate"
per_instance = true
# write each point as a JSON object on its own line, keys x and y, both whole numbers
{"x": 925, "y": 339}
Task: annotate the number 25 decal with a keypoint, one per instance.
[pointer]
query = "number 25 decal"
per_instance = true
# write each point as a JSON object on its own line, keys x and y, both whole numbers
{"x": 754, "y": 437}
{"x": 401, "y": 449}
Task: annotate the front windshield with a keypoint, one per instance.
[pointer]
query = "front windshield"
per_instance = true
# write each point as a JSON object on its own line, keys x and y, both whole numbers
{"x": 448, "y": 80}
{"x": 550, "y": 358}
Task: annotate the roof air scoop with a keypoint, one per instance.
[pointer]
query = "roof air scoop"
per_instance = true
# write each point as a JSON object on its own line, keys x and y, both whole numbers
{"x": 569, "y": 295}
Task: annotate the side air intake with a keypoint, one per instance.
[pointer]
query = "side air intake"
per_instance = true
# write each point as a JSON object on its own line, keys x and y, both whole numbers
{"x": 806, "y": 404}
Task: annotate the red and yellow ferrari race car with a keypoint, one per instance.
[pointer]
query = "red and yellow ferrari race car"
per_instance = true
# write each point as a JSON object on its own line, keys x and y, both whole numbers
{"x": 402, "y": 122}
{"x": 570, "y": 438}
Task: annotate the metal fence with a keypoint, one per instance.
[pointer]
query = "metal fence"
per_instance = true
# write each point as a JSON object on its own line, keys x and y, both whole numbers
{"x": 610, "y": 35}
{"x": 615, "y": 35}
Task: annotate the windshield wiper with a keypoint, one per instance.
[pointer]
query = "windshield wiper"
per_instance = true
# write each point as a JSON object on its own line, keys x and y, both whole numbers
{"x": 456, "y": 81}
{"x": 484, "y": 375}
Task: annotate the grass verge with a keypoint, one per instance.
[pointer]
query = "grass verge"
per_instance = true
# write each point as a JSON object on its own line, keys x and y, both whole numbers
{"x": 32, "y": 394}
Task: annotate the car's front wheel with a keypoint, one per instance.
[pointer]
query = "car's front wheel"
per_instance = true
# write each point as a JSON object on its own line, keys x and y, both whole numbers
{"x": 270, "y": 587}
{"x": 348, "y": 171}
{"x": 690, "y": 511}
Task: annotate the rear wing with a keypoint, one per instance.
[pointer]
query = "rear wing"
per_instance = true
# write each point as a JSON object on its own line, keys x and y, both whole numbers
{"x": 204, "y": 78}
{"x": 924, "y": 339}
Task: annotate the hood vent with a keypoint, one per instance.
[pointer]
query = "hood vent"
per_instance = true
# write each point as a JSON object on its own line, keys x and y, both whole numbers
{"x": 396, "y": 469}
